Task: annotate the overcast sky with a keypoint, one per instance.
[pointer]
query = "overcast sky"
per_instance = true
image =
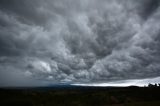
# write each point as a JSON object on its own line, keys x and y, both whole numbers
{"x": 78, "y": 41}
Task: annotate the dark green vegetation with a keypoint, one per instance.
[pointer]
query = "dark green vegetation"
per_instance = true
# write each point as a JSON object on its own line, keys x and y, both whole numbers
{"x": 81, "y": 96}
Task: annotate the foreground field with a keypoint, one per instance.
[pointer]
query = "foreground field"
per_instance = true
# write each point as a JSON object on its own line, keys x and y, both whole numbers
{"x": 81, "y": 96}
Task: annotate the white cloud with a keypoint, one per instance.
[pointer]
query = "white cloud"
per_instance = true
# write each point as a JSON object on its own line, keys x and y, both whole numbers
{"x": 40, "y": 66}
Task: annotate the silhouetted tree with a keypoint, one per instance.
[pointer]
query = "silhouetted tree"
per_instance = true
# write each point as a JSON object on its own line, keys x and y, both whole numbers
{"x": 150, "y": 85}
{"x": 155, "y": 85}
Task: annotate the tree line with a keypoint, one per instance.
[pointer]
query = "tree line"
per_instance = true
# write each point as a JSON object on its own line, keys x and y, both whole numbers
{"x": 154, "y": 85}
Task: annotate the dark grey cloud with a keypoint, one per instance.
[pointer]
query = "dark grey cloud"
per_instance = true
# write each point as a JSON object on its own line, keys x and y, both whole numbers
{"x": 148, "y": 8}
{"x": 27, "y": 12}
{"x": 78, "y": 41}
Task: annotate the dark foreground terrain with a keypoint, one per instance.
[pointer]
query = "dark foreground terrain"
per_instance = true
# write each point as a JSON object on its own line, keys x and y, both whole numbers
{"x": 81, "y": 96}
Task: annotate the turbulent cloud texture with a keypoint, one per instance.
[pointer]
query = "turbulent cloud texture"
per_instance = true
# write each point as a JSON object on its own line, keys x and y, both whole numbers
{"x": 78, "y": 40}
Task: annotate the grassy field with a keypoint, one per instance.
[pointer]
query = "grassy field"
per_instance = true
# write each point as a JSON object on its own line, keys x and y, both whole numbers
{"x": 81, "y": 96}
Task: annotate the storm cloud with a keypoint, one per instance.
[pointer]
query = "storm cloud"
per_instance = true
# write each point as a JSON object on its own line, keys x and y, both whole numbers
{"x": 78, "y": 41}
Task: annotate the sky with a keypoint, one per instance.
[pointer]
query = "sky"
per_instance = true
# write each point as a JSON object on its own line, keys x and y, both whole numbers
{"x": 43, "y": 42}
